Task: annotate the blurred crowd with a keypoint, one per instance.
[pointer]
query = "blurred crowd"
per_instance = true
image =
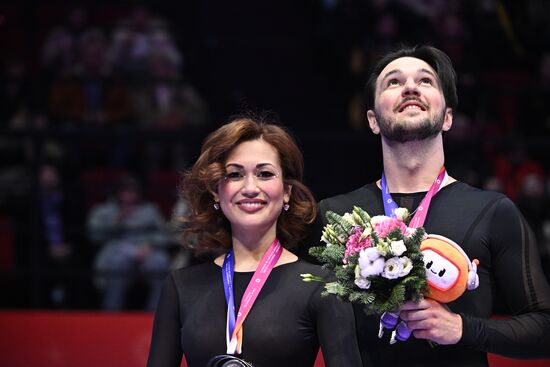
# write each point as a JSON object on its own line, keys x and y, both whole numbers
{"x": 100, "y": 205}
{"x": 99, "y": 119}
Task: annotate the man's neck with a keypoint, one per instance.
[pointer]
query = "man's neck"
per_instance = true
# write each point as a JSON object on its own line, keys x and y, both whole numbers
{"x": 412, "y": 166}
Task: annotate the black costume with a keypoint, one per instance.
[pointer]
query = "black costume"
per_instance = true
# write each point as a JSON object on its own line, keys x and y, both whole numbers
{"x": 490, "y": 228}
{"x": 285, "y": 327}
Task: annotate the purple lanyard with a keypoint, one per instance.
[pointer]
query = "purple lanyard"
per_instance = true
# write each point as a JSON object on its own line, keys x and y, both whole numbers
{"x": 234, "y": 329}
{"x": 422, "y": 211}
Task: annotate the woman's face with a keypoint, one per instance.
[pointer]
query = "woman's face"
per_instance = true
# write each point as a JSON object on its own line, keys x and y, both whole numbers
{"x": 252, "y": 193}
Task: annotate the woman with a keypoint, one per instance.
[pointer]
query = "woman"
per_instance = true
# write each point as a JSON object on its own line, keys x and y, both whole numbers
{"x": 246, "y": 195}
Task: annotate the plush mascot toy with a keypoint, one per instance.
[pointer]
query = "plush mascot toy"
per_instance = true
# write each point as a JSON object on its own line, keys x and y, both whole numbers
{"x": 449, "y": 273}
{"x": 448, "y": 269}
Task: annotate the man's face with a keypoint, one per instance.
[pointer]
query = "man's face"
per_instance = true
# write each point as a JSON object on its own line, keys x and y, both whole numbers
{"x": 409, "y": 104}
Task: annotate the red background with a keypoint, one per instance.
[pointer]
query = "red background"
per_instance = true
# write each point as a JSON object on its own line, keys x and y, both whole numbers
{"x": 92, "y": 339}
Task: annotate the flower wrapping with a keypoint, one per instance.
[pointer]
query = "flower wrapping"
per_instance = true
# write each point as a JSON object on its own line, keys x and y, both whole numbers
{"x": 376, "y": 260}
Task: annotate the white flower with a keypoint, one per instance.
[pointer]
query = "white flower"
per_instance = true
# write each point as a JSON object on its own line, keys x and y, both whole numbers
{"x": 369, "y": 268}
{"x": 371, "y": 253}
{"x": 407, "y": 265}
{"x": 378, "y": 219}
{"x": 392, "y": 268}
{"x": 398, "y": 247}
{"x": 401, "y": 213}
{"x": 370, "y": 262}
{"x": 362, "y": 283}
{"x": 363, "y": 260}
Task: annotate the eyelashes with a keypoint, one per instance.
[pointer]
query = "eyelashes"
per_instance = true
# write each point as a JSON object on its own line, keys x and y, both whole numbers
{"x": 260, "y": 175}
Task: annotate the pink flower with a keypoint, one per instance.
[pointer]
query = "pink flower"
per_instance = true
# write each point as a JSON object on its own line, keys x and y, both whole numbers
{"x": 354, "y": 244}
{"x": 383, "y": 228}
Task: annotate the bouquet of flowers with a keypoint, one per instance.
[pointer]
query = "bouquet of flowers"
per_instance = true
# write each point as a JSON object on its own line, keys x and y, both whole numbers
{"x": 376, "y": 260}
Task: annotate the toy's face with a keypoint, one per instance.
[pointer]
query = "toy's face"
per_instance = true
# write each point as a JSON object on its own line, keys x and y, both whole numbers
{"x": 447, "y": 268}
{"x": 441, "y": 271}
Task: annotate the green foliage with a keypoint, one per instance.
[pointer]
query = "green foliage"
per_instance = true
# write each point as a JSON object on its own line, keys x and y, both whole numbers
{"x": 339, "y": 223}
{"x": 366, "y": 298}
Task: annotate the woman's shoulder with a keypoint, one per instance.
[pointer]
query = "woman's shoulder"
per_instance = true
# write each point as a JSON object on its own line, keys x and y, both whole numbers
{"x": 196, "y": 273}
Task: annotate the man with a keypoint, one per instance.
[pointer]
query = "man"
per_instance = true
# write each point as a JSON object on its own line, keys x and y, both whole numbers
{"x": 411, "y": 96}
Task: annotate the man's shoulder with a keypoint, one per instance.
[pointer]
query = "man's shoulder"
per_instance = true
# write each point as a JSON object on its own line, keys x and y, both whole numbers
{"x": 362, "y": 197}
{"x": 462, "y": 190}
{"x": 469, "y": 199}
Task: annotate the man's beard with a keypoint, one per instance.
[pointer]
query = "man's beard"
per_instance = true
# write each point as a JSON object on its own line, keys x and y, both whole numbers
{"x": 403, "y": 133}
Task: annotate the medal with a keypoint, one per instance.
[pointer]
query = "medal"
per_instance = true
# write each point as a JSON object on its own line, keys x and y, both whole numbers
{"x": 226, "y": 360}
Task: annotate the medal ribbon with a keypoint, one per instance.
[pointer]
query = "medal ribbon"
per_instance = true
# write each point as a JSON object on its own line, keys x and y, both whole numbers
{"x": 234, "y": 328}
{"x": 422, "y": 211}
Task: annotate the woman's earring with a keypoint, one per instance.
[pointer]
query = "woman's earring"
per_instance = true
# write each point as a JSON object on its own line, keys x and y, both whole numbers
{"x": 286, "y": 206}
{"x": 217, "y": 206}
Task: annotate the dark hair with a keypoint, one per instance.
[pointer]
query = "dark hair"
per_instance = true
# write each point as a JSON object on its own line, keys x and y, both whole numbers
{"x": 211, "y": 228}
{"x": 127, "y": 182}
{"x": 434, "y": 57}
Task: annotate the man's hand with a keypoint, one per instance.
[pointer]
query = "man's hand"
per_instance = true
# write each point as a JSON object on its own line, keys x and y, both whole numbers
{"x": 429, "y": 319}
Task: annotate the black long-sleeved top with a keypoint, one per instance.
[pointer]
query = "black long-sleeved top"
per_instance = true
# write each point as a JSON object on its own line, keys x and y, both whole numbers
{"x": 285, "y": 327}
{"x": 490, "y": 228}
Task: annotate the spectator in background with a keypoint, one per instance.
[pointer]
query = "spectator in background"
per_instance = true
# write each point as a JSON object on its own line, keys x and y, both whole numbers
{"x": 493, "y": 183}
{"x": 60, "y": 48}
{"x": 52, "y": 201}
{"x": 136, "y": 38}
{"x": 513, "y": 164}
{"x": 61, "y": 232}
{"x": 89, "y": 95}
{"x": 133, "y": 237}
{"x": 166, "y": 102}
